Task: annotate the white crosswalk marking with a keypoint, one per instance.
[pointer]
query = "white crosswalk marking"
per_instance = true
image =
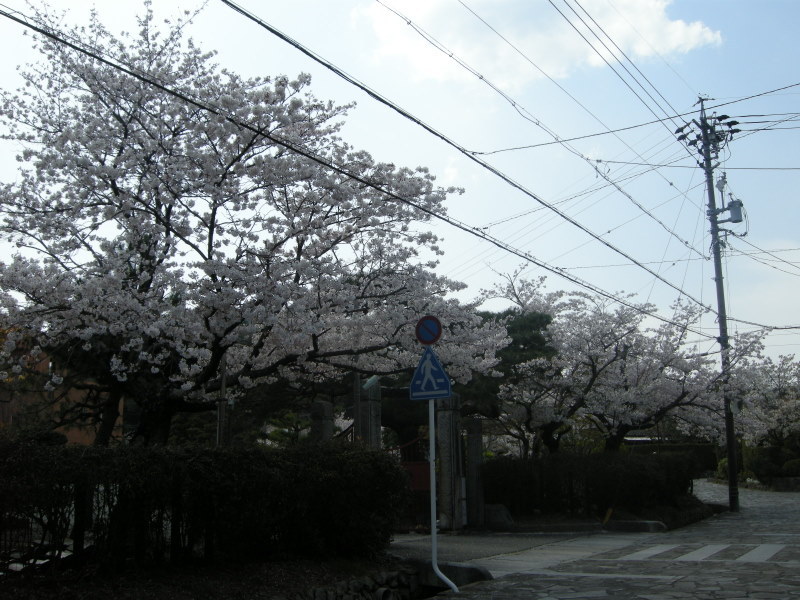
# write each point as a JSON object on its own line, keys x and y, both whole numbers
{"x": 704, "y": 552}
{"x": 761, "y": 553}
{"x": 649, "y": 552}
{"x": 749, "y": 554}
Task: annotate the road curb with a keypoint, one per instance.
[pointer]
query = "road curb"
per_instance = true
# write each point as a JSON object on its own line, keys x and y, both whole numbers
{"x": 459, "y": 573}
{"x": 636, "y": 526}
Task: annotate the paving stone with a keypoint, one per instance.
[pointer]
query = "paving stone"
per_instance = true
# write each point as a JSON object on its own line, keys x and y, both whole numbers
{"x": 753, "y": 555}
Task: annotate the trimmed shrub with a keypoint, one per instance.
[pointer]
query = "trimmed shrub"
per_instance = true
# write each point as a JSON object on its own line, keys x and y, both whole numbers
{"x": 156, "y": 504}
{"x": 791, "y": 468}
{"x": 764, "y": 462}
{"x": 702, "y": 457}
{"x": 722, "y": 469}
{"x": 587, "y": 485}
{"x": 511, "y": 482}
{"x": 347, "y": 500}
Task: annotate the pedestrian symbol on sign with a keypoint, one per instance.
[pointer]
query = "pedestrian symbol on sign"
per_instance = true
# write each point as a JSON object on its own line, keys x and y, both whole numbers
{"x": 430, "y": 380}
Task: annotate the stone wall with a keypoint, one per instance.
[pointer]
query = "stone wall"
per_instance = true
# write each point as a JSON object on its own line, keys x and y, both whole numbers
{"x": 387, "y": 585}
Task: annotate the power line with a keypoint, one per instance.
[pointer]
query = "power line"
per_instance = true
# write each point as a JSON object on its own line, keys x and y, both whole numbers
{"x": 759, "y": 95}
{"x": 562, "y": 142}
{"x": 50, "y": 33}
{"x": 666, "y": 261}
{"x": 580, "y": 137}
{"x": 527, "y": 233}
{"x": 523, "y": 112}
{"x": 557, "y": 139}
{"x": 770, "y": 129}
{"x": 605, "y": 60}
{"x": 218, "y": 111}
{"x": 621, "y": 51}
{"x": 776, "y": 121}
{"x": 537, "y": 122}
{"x": 792, "y": 114}
{"x": 767, "y": 264}
{"x": 327, "y": 64}
{"x": 767, "y": 252}
{"x": 752, "y": 96}
{"x": 513, "y": 183}
{"x": 674, "y": 166}
{"x": 762, "y": 251}
{"x": 646, "y": 41}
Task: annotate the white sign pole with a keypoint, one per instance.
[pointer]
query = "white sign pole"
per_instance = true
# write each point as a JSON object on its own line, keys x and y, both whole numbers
{"x": 432, "y": 461}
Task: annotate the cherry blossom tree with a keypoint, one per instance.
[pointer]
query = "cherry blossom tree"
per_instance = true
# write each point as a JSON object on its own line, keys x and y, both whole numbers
{"x": 612, "y": 370}
{"x": 770, "y": 406}
{"x": 162, "y": 245}
{"x": 658, "y": 375}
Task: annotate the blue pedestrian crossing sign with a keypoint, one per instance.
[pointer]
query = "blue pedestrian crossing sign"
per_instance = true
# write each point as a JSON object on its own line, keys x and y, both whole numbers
{"x": 430, "y": 380}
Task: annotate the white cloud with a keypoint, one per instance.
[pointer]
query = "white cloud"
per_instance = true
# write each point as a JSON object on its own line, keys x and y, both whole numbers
{"x": 398, "y": 42}
{"x": 643, "y": 28}
{"x": 542, "y": 39}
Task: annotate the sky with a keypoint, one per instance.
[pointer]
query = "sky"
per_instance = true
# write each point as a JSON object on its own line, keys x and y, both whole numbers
{"x": 506, "y": 82}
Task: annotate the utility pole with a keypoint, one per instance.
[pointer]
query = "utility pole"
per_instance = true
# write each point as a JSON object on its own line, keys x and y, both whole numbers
{"x": 708, "y": 141}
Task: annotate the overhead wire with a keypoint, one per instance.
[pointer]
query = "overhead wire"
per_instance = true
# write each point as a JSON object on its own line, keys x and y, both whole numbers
{"x": 647, "y": 41}
{"x": 697, "y": 226}
{"x": 619, "y": 265}
{"x": 622, "y": 52}
{"x": 674, "y": 166}
{"x": 525, "y": 114}
{"x": 553, "y": 81}
{"x": 559, "y": 141}
{"x": 771, "y": 266}
{"x": 753, "y": 96}
{"x": 216, "y": 110}
{"x": 490, "y": 168}
{"x": 461, "y": 149}
{"x": 752, "y": 116}
{"x": 556, "y": 139}
{"x": 605, "y": 60}
{"x": 767, "y": 252}
{"x": 770, "y": 129}
{"x": 598, "y": 171}
{"x": 584, "y": 192}
{"x": 793, "y": 116}
{"x": 762, "y": 251}
{"x": 613, "y": 131}
{"x": 529, "y": 231}
{"x": 622, "y": 64}
{"x": 310, "y": 155}
{"x": 633, "y": 77}
{"x": 560, "y": 87}
{"x": 579, "y": 137}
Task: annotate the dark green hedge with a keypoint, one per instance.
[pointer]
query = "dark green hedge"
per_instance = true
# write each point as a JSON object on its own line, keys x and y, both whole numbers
{"x": 703, "y": 457}
{"x": 766, "y": 462}
{"x": 154, "y": 505}
{"x": 586, "y": 485}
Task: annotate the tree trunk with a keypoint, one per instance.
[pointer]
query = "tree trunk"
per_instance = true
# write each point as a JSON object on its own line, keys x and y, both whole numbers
{"x": 155, "y": 424}
{"x": 613, "y": 443}
{"x": 615, "y": 440}
{"x": 83, "y": 515}
{"x": 550, "y": 437}
{"x": 525, "y": 447}
{"x": 108, "y": 418}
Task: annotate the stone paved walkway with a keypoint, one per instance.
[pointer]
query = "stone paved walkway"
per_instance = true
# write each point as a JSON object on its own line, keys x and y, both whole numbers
{"x": 752, "y": 554}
